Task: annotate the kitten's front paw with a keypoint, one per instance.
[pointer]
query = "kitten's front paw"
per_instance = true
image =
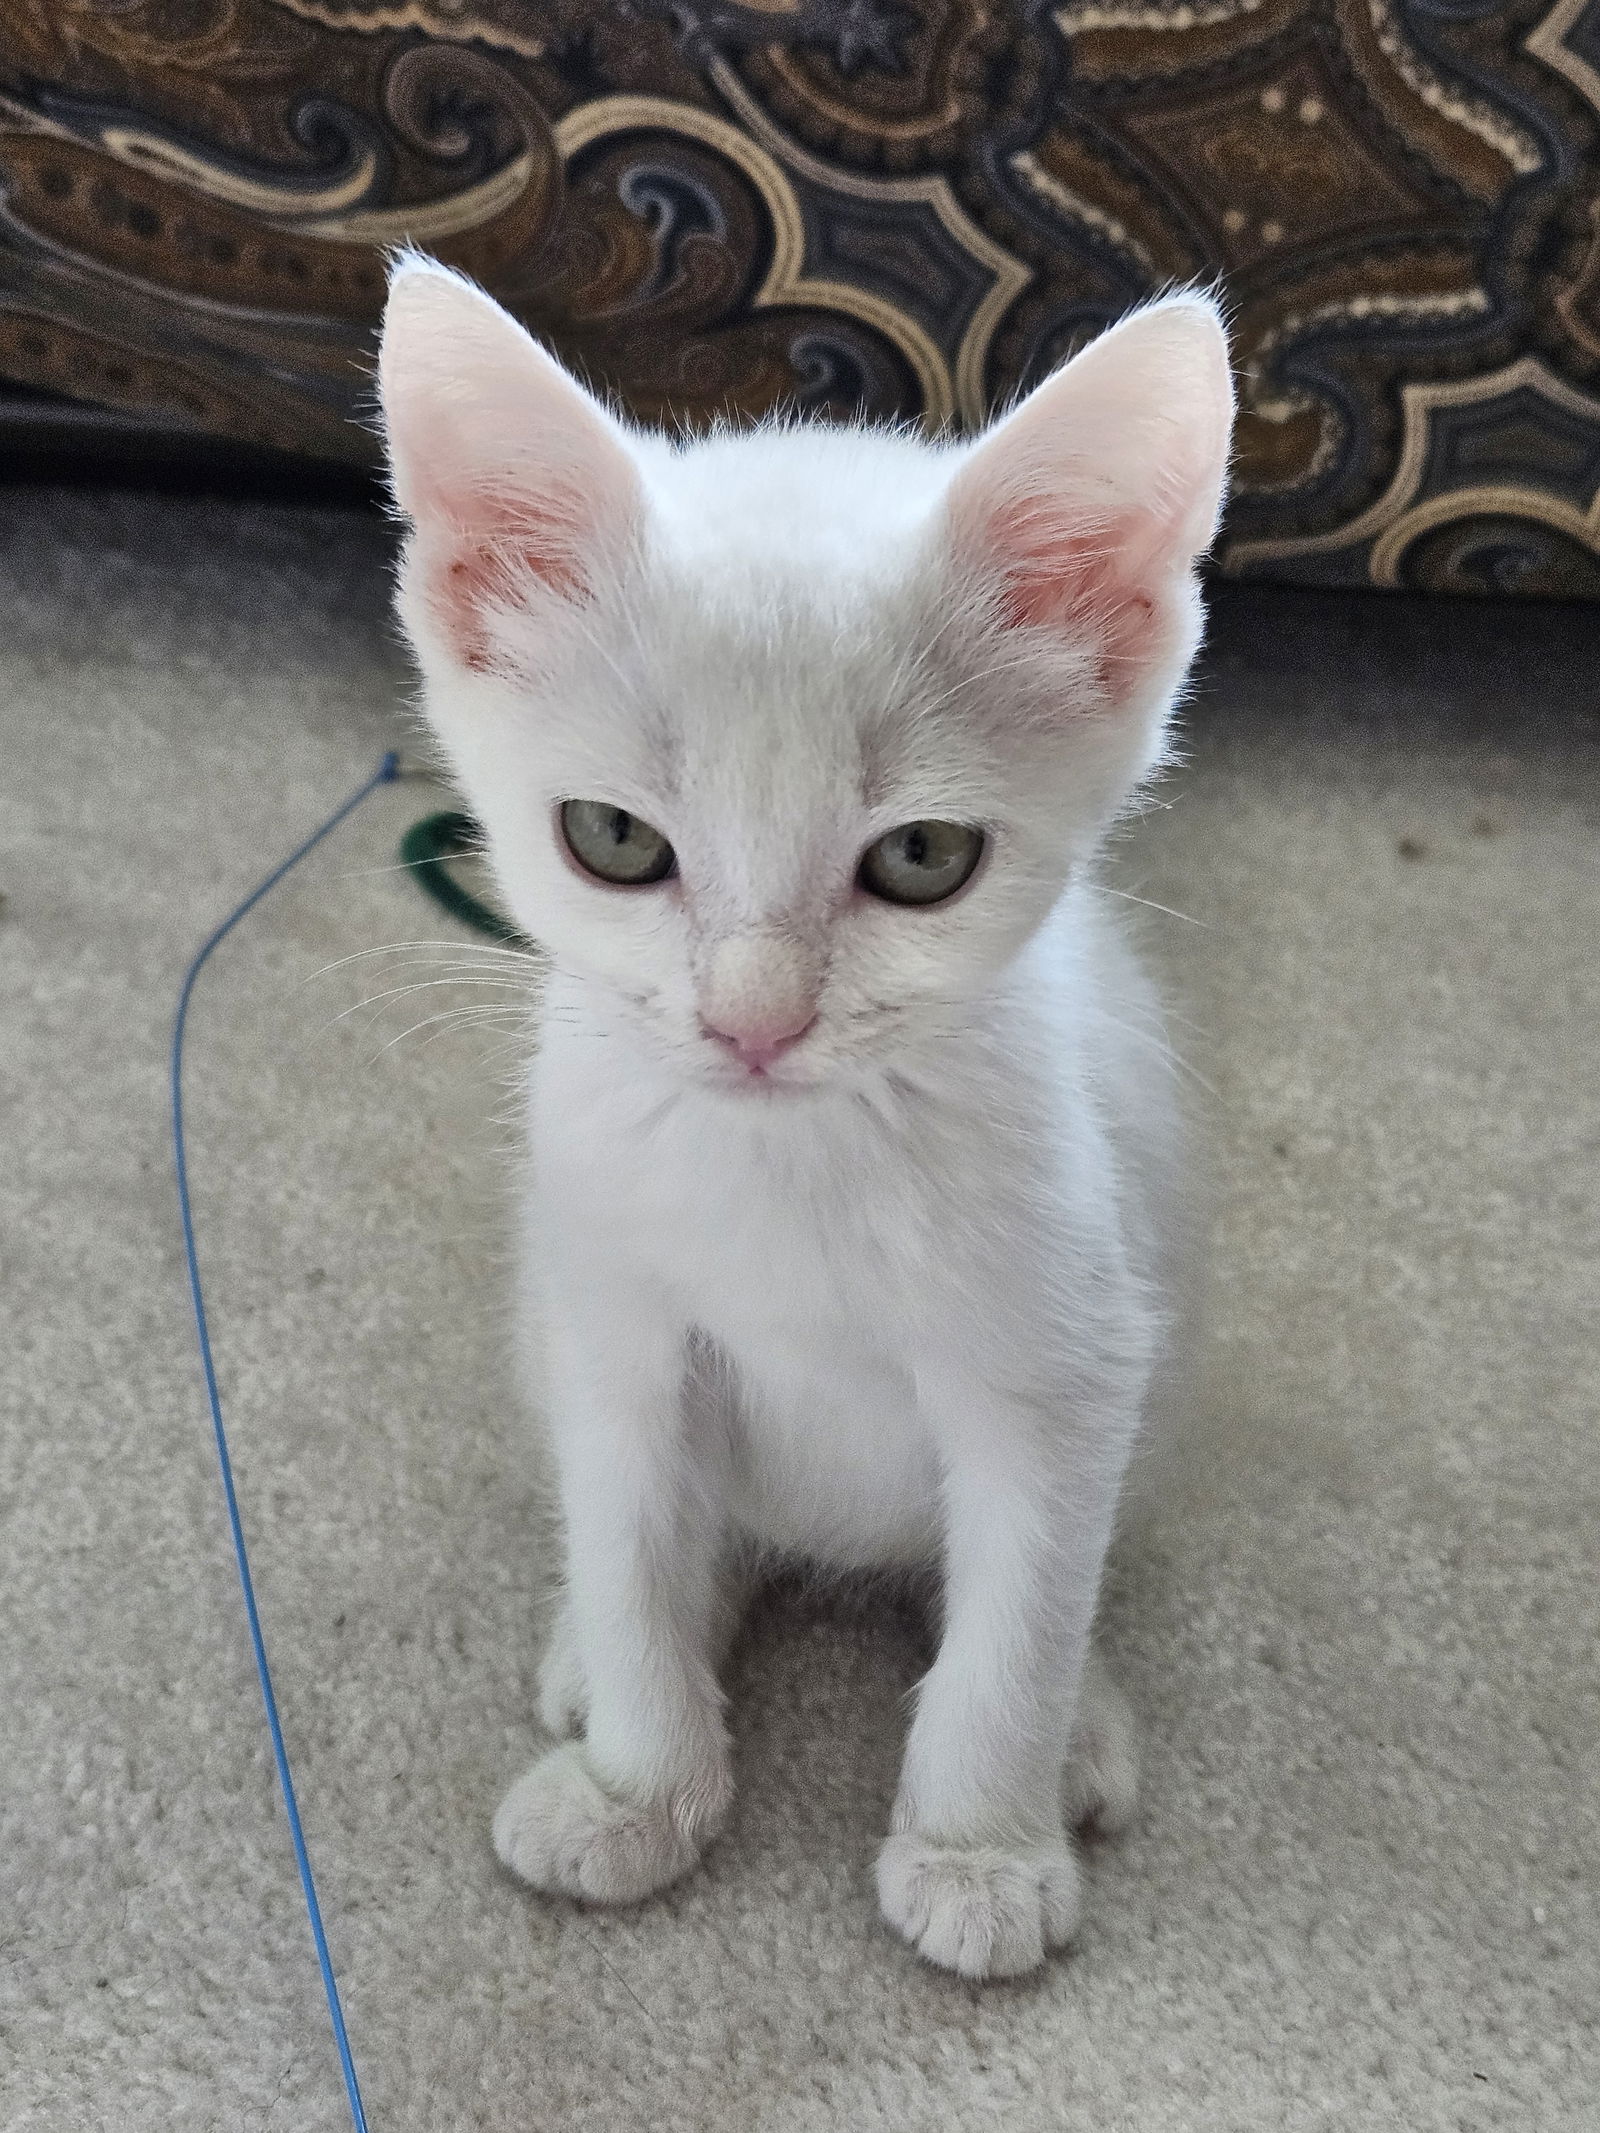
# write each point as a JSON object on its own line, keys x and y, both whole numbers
{"x": 559, "y": 1829}
{"x": 983, "y": 1912}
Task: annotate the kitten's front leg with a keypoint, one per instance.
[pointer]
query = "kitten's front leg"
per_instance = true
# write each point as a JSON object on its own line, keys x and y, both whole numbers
{"x": 627, "y": 1808}
{"x": 979, "y": 1873}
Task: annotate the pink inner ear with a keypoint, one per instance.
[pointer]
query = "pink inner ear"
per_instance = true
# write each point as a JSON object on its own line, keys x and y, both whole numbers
{"x": 1072, "y": 579}
{"x": 471, "y": 574}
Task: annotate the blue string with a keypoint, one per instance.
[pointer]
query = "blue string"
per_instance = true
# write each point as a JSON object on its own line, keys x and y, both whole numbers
{"x": 388, "y": 770}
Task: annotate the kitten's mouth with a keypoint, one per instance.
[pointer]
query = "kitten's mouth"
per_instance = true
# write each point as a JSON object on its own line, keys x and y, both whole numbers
{"x": 761, "y": 1083}
{"x": 773, "y": 1082}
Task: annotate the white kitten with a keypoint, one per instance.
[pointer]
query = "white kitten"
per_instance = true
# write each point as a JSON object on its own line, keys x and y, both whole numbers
{"x": 853, "y": 1148}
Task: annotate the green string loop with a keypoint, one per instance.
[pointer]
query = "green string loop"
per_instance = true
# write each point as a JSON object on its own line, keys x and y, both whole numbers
{"x": 428, "y": 846}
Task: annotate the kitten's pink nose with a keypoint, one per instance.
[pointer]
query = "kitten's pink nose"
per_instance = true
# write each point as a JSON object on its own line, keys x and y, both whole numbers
{"x": 758, "y": 991}
{"x": 756, "y": 1044}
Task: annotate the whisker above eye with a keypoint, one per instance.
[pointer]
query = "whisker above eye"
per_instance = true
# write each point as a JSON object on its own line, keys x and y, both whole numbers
{"x": 971, "y": 681}
{"x": 1166, "y": 910}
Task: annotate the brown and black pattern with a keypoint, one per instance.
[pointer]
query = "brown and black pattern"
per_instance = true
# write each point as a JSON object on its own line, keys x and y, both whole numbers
{"x": 881, "y": 207}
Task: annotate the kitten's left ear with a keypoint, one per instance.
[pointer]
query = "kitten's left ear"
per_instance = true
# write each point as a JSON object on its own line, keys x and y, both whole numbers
{"x": 513, "y": 477}
{"x": 1087, "y": 506}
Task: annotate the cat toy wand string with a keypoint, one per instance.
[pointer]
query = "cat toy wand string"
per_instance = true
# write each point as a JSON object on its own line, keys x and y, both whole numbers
{"x": 385, "y": 774}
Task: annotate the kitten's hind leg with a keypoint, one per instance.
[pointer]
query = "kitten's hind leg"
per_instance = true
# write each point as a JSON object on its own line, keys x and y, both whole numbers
{"x": 1100, "y": 1785}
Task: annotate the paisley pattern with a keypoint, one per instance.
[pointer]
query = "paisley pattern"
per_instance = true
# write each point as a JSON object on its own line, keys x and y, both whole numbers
{"x": 896, "y": 208}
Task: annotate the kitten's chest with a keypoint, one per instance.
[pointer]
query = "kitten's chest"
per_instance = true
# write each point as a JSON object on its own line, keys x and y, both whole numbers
{"x": 801, "y": 1268}
{"x": 781, "y": 1236}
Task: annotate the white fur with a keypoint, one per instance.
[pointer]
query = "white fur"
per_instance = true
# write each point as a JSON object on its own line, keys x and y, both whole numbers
{"x": 899, "y": 1299}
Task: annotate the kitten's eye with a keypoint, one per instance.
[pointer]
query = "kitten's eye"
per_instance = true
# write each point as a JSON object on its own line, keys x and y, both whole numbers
{"x": 921, "y": 862}
{"x": 615, "y": 846}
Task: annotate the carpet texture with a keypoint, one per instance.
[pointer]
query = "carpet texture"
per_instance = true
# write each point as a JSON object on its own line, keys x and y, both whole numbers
{"x": 1359, "y": 1620}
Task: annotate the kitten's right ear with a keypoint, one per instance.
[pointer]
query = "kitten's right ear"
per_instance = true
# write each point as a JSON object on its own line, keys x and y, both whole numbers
{"x": 514, "y": 479}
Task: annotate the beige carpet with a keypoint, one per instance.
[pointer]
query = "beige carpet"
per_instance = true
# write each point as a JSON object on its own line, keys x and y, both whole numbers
{"x": 1361, "y": 1628}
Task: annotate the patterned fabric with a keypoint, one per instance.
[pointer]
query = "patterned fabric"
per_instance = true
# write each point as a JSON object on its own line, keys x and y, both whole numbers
{"x": 902, "y": 207}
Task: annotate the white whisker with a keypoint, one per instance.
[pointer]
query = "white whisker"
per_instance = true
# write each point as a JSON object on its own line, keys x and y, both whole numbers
{"x": 398, "y": 992}
{"x": 1166, "y": 910}
{"x": 971, "y": 681}
{"x": 457, "y": 1015}
{"x": 458, "y": 947}
{"x": 1156, "y": 1042}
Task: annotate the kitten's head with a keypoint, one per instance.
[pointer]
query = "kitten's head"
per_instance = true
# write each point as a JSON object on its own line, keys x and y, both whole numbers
{"x": 788, "y": 740}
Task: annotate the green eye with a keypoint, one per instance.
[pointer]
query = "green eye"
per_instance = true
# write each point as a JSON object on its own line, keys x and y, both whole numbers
{"x": 615, "y": 846}
{"x": 921, "y": 862}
